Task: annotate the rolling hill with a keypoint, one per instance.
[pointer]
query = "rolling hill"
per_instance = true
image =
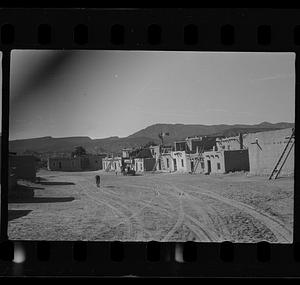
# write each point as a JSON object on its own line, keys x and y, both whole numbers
{"x": 50, "y": 145}
{"x": 181, "y": 131}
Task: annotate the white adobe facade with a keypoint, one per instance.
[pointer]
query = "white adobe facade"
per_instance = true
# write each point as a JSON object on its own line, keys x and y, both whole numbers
{"x": 112, "y": 163}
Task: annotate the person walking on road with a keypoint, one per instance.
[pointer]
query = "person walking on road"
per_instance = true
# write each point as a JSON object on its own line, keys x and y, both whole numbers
{"x": 98, "y": 180}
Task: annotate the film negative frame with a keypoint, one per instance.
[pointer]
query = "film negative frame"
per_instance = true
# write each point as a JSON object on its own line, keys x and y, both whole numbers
{"x": 234, "y": 30}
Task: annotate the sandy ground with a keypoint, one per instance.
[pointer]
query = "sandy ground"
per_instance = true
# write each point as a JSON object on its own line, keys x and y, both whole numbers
{"x": 162, "y": 207}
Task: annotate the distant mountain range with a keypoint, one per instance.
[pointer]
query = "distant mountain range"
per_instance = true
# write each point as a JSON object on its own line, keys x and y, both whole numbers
{"x": 51, "y": 146}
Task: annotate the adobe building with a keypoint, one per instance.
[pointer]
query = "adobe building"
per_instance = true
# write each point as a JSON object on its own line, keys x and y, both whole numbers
{"x": 180, "y": 145}
{"x": 155, "y": 150}
{"x": 181, "y": 162}
{"x": 231, "y": 143}
{"x": 224, "y": 161}
{"x": 228, "y": 155}
{"x": 64, "y": 164}
{"x": 112, "y": 163}
{"x": 163, "y": 158}
{"x": 196, "y": 161}
{"x": 195, "y": 144}
{"x": 144, "y": 161}
{"x": 265, "y": 148}
{"x": 193, "y": 157}
{"x": 126, "y": 152}
{"x": 166, "y": 163}
{"x": 79, "y": 163}
{"x": 25, "y": 166}
{"x": 92, "y": 161}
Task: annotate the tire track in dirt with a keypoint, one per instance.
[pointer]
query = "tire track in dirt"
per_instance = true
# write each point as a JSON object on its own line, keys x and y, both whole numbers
{"x": 177, "y": 224}
{"x": 276, "y": 226}
{"x": 121, "y": 214}
{"x": 202, "y": 233}
{"x": 199, "y": 232}
{"x": 207, "y": 212}
{"x": 158, "y": 194}
{"x": 180, "y": 217}
{"x": 133, "y": 215}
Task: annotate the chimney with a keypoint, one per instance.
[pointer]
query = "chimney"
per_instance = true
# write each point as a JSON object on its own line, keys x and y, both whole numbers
{"x": 241, "y": 140}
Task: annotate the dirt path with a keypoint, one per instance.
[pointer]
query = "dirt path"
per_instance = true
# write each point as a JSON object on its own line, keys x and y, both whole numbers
{"x": 164, "y": 207}
{"x": 276, "y": 226}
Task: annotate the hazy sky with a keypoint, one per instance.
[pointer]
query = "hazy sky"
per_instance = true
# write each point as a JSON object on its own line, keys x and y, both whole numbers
{"x": 116, "y": 93}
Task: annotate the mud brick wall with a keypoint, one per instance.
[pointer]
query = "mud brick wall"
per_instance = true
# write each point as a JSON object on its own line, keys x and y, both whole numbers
{"x": 149, "y": 164}
{"x": 95, "y": 162}
{"x": 66, "y": 164}
{"x": 236, "y": 160}
{"x": 264, "y": 154}
{"x": 215, "y": 158}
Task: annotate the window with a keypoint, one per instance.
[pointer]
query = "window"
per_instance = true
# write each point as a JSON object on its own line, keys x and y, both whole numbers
{"x": 218, "y": 166}
{"x": 182, "y": 164}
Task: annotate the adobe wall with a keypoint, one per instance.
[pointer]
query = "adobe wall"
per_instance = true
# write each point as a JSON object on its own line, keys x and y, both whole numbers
{"x": 65, "y": 163}
{"x": 180, "y": 157}
{"x": 149, "y": 164}
{"x": 114, "y": 166}
{"x": 236, "y": 160}
{"x": 264, "y": 154}
{"x": 138, "y": 164}
{"x": 167, "y": 163}
{"x": 215, "y": 158}
{"x": 95, "y": 162}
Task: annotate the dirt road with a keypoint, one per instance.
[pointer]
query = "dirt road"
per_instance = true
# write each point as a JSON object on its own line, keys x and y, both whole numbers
{"x": 163, "y": 207}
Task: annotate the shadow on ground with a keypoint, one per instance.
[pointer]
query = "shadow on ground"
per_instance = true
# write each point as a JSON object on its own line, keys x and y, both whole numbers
{"x": 56, "y": 183}
{"x": 15, "y": 214}
{"x": 38, "y": 179}
{"x": 25, "y": 194}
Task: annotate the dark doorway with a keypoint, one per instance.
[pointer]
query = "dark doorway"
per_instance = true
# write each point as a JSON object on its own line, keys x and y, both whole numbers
{"x": 208, "y": 166}
{"x": 192, "y": 166}
{"x": 59, "y": 165}
{"x": 175, "y": 164}
{"x": 159, "y": 164}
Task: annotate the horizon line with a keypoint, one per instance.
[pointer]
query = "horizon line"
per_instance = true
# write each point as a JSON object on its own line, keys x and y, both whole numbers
{"x": 119, "y": 137}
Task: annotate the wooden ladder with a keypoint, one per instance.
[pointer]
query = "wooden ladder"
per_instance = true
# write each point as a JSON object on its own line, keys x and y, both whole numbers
{"x": 283, "y": 157}
{"x": 159, "y": 159}
{"x": 109, "y": 165}
{"x": 198, "y": 160}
